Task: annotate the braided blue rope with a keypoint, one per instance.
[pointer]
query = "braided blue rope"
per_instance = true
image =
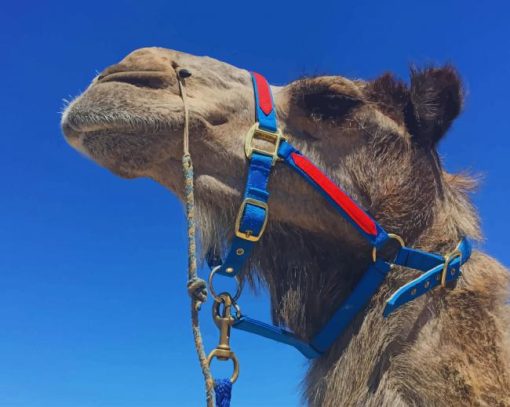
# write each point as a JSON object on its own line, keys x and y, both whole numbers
{"x": 223, "y": 390}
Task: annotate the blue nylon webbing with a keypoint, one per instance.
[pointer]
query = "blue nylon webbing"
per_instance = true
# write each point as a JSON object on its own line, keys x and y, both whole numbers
{"x": 253, "y": 217}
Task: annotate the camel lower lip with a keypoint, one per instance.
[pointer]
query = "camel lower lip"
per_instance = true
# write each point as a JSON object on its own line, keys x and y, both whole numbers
{"x": 74, "y": 126}
{"x": 71, "y": 131}
{"x": 78, "y": 121}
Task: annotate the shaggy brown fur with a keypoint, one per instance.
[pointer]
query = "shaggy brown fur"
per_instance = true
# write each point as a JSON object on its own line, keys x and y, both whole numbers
{"x": 378, "y": 140}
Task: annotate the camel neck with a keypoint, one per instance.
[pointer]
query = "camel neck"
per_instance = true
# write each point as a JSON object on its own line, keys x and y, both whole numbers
{"x": 308, "y": 283}
{"x": 308, "y": 277}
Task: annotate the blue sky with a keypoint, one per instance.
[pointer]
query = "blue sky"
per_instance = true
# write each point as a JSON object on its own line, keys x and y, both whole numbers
{"x": 93, "y": 309}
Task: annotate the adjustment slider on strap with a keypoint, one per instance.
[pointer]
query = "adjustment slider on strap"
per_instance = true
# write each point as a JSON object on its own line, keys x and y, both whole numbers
{"x": 272, "y": 137}
{"x": 248, "y": 234}
{"x": 447, "y": 261}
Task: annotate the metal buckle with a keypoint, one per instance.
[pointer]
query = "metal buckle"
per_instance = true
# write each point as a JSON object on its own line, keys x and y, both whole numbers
{"x": 248, "y": 235}
{"x": 447, "y": 260}
{"x": 391, "y": 236}
{"x": 256, "y": 132}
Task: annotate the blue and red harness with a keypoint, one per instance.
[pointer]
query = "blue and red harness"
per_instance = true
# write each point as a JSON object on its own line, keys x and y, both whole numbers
{"x": 252, "y": 219}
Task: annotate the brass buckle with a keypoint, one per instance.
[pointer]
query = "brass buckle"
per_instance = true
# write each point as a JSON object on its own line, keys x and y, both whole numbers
{"x": 447, "y": 260}
{"x": 256, "y": 132}
{"x": 248, "y": 235}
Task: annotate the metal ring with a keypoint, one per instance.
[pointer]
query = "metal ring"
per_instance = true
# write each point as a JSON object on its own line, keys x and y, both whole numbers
{"x": 391, "y": 236}
{"x": 213, "y": 292}
{"x": 237, "y": 308}
{"x": 231, "y": 356}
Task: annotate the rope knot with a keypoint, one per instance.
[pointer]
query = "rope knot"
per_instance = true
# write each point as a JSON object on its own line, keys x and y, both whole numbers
{"x": 197, "y": 290}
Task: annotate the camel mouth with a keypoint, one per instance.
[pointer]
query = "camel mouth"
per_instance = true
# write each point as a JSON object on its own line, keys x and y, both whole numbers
{"x": 78, "y": 123}
{"x": 125, "y": 102}
{"x": 74, "y": 129}
{"x": 124, "y": 152}
{"x": 125, "y": 127}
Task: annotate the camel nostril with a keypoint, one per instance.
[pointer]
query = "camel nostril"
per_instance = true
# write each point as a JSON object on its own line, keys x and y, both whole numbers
{"x": 184, "y": 73}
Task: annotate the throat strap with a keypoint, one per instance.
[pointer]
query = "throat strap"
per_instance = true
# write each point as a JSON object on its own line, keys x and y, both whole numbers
{"x": 437, "y": 270}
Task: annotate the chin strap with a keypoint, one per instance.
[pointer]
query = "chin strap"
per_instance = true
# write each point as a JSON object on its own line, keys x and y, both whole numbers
{"x": 264, "y": 146}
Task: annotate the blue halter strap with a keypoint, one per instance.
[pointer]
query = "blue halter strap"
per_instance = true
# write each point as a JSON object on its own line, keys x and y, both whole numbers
{"x": 252, "y": 219}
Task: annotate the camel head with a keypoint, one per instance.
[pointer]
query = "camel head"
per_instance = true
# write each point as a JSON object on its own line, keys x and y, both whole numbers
{"x": 376, "y": 138}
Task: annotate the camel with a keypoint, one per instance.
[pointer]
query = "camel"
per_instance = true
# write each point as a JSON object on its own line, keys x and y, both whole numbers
{"x": 378, "y": 140}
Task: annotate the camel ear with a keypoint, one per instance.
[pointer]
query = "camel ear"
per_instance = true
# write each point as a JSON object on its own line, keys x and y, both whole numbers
{"x": 435, "y": 100}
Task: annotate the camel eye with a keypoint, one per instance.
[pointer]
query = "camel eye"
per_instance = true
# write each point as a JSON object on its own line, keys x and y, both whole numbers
{"x": 330, "y": 105}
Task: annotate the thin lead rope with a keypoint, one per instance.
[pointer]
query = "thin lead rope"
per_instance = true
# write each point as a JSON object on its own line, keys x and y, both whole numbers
{"x": 181, "y": 75}
{"x": 196, "y": 286}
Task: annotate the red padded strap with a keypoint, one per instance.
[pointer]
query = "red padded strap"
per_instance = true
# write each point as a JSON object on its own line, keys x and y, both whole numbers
{"x": 264, "y": 93}
{"x": 336, "y": 194}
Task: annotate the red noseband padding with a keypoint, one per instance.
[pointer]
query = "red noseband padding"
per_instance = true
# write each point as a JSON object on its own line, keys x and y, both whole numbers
{"x": 264, "y": 93}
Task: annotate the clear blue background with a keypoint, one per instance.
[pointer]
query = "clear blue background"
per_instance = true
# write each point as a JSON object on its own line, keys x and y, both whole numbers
{"x": 93, "y": 309}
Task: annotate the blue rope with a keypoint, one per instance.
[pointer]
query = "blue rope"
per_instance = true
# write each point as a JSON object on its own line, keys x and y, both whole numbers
{"x": 223, "y": 390}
